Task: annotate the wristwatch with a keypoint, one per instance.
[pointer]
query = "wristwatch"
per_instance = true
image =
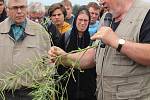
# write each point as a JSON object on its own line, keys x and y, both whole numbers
{"x": 121, "y": 42}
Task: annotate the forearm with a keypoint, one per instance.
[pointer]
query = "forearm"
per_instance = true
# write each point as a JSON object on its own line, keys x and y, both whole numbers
{"x": 83, "y": 60}
{"x": 138, "y": 52}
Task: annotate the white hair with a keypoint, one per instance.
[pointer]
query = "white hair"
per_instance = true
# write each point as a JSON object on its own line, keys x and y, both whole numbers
{"x": 37, "y": 7}
{"x": 7, "y": 2}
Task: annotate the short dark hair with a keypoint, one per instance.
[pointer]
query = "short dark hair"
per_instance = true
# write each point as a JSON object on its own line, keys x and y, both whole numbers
{"x": 1, "y": 0}
{"x": 55, "y": 6}
{"x": 66, "y": 3}
{"x": 93, "y": 5}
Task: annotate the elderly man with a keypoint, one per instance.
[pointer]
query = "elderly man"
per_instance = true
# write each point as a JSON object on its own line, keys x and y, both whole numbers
{"x": 21, "y": 42}
{"x": 36, "y": 12}
{"x": 123, "y": 66}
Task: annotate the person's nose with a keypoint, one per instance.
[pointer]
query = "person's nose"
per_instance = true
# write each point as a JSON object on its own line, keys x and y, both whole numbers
{"x": 83, "y": 22}
{"x": 94, "y": 15}
{"x": 57, "y": 16}
{"x": 19, "y": 10}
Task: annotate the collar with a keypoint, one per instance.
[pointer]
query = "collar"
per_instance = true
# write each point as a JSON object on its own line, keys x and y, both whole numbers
{"x": 6, "y": 25}
{"x": 94, "y": 24}
{"x": 23, "y": 24}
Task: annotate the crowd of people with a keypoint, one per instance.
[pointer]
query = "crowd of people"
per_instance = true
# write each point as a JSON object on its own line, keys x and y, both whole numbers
{"x": 119, "y": 71}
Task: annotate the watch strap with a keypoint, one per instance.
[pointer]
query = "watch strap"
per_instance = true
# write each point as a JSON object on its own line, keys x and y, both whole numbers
{"x": 119, "y": 47}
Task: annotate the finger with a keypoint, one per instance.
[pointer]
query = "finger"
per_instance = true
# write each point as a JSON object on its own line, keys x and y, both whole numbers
{"x": 96, "y": 37}
{"x": 55, "y": 48}
{"x": 52, "y": 60}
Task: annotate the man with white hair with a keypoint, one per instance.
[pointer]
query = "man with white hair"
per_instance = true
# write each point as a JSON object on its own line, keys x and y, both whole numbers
{"x": 36, "y": 12}
{"x": 21, "y": 42}
{"x": 123, "y": 66}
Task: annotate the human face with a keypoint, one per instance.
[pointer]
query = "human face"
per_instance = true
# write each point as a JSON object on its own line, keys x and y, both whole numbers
{"x": 36, "y": 17}
{"x": 58, "y": 17}
{"x": 17, "y": 10}
{"x": 82, "y": 22}
{"x": 114, "y": 6}
{"x": 1, "y": 7}
{"x": 69, "y": 11}
{"x": 94, "y": 13}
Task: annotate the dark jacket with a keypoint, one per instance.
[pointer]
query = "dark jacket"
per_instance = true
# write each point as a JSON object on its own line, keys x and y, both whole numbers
{"x": 52, "y": 30}
{"x": 81, "y": 85}
{"x": 3, "y": 16}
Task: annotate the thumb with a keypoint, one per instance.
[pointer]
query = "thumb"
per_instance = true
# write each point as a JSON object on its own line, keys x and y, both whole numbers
{"x": 96, "y": 37}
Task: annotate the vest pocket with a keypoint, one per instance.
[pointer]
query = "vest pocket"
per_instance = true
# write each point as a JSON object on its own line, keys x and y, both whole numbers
{"x": 134, "y": 94}
{"x": 121, "y": 60}
{"x": 131, "y": 91}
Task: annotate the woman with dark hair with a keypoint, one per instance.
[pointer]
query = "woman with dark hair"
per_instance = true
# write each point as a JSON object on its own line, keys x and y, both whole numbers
{"x": 3, "y": 14}
{"x": 81, "y": 85}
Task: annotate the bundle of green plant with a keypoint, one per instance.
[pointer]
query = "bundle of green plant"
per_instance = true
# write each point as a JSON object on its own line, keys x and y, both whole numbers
{"x": 41, "y": 77}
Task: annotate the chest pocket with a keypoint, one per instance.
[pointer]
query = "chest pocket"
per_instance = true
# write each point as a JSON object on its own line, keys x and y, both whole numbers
{"x": 120, "y": 59}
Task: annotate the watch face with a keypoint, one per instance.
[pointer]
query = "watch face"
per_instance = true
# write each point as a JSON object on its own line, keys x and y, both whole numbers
{"x": 121, "y": 41}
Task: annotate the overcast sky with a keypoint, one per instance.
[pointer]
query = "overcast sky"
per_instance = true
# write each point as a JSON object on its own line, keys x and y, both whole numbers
{"x": 49, "y": 2}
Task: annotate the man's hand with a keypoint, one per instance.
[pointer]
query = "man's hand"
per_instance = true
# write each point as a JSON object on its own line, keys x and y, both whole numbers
{"x": 54, "y": 52}
{"x": 107, "y": 35}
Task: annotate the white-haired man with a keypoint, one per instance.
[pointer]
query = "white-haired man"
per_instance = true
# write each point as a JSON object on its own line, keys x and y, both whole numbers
{"x": 36, "y": 12}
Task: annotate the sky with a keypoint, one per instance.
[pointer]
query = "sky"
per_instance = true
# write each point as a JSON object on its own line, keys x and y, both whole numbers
{"x": 49, "y": 2}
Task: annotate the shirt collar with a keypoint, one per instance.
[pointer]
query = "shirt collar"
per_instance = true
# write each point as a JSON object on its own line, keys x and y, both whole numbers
{"x": 23, "y": 24}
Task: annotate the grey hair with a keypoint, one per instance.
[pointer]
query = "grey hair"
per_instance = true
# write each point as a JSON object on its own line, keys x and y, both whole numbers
{"x": 36, "y": 7}
{"x": 7, "y": 2}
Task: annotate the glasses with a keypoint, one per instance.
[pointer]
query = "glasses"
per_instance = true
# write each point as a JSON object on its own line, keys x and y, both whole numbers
{"x": 36, "y": 19}
{"x": 15, "y": 8}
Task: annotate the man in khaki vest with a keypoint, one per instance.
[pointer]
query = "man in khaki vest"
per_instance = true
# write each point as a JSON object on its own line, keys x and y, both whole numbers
{"x": 123, "y": 66}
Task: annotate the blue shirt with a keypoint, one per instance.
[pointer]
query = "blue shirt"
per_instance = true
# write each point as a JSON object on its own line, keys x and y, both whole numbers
{"x": 18, "y": 30}
{"x": 93, "y": 28}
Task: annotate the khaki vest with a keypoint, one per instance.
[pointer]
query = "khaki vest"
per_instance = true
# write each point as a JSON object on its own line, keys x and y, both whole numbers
{"x": 119, "y": 77}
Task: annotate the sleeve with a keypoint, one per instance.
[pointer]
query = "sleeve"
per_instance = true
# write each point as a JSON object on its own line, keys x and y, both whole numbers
{"x": 145, "y": 30}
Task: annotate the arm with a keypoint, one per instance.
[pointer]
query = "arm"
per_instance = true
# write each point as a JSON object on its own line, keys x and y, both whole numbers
{"x": 85, "y": 58}
{"x": 139, "y": 52}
